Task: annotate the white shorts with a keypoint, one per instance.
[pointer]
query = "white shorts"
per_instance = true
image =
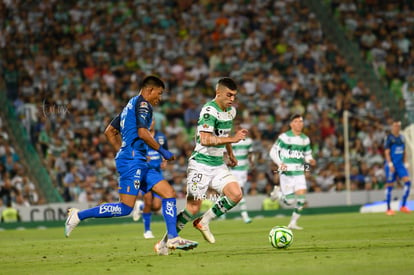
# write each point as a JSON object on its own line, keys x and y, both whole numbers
{"x": 201, "y": 176}
{"x": 291, "y": 184}
{"x": 241, "y": 177}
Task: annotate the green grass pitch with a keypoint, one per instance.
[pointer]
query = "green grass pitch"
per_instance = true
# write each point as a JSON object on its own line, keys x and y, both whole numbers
{"x": 349, "y": 243}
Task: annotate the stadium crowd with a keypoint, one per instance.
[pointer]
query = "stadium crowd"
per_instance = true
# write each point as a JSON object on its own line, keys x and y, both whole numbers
{"x": 384, "y": 31}
{"x": 70, "y": 66}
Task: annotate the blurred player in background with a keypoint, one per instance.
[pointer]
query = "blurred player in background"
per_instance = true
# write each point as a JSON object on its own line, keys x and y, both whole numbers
{"x": 134, "y": 172}
{"x": 396, "y": 165}
{"x": 206, "y": 166}
{"x": 151, "y": 201}
{"x": 243, "y": 151}
{"x": 292, "y": 153}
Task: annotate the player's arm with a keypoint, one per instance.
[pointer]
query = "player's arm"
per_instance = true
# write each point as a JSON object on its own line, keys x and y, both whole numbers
{"x": 387, "y": 156}
{"x": 308, "y": 155}
{"x": 232, "y": 160}
{"x": 252, "y": 159}
{"x": 275, "y": 156}
{"x": 113, "y": 134}
{"x": 208, "y": 139}
{"x": 141, "y": 114}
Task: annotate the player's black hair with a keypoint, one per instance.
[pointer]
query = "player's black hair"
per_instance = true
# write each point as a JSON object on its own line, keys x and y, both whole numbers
{"x": 294, "y": 116}
{"x": 152, "y": 80}
{"x": 228, "y": 83}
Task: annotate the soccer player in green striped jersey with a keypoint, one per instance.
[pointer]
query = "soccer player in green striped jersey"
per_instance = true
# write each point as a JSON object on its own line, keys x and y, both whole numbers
{"x": 292, "y": 154}
{"x": 243, "y": 150}
{"x": 206, "y": 167}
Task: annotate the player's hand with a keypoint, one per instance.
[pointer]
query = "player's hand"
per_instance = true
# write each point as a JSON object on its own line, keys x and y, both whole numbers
{"x": 241, "y": 134}
{"x": 312, "y": 162}
{"x": 232, "y": 160}
{"x": 166, "y": 154}
{"x": 282, "y": 167}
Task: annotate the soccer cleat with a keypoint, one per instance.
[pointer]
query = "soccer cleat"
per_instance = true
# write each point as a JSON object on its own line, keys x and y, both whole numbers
{"x": 390, "y": 212}
{"x": 205, "y": 230}
{"x": 248, "y": 220}
{"x": 405, "y": 209}
{"x": 180, "y": 243}
{"x": 72, "y": 221}
{"x": 148, "y": 235}
{"x": 137, "y": 211}
{"x": 294, "y": 226}
{"x": 276, "y": 194}
{"x": 161, "y": 248}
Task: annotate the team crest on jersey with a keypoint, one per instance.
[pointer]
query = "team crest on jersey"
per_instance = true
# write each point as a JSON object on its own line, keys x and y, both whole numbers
{"x": 137, "y": 183}
{"x": 143, "y": 104}
{"x": 205, "y": 126}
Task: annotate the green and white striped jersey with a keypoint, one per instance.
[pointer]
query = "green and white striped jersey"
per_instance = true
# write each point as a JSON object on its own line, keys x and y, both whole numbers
{"x": 218, "y": 122}
{"x": 293, "y": 151}
{"x": 241, "y": 151}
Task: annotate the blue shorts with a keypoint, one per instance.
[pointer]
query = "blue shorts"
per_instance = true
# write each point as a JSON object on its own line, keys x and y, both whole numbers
{"x": 400, "y": 172}
{"x": 135, "y": 175}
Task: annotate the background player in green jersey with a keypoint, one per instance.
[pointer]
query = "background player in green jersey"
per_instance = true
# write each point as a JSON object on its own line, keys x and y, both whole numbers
{"x": 243, "y": 150}
{"x": 292, "y": 153}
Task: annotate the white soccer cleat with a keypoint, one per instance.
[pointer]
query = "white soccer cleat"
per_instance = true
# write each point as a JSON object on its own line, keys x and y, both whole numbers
{"x": 180, "y": 243}
{"x": 137, "y": 212}
{"x": 294, "y": 226}
{"x": 276, "y": 194}
{"x": 148, "y": 235}
{"x": 72, "y": 221}
{"x": 205, "y": 230}
{"x": 161, "y": 248}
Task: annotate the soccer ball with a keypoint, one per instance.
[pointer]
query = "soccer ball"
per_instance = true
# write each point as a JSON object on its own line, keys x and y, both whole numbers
{"x": 280, "y": 237}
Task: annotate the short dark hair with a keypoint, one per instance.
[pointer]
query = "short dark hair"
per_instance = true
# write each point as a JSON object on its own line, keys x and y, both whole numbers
{"x": 228, "y": 83}
{"x": 294, "y": 116}
{"x": 152, "y": 80}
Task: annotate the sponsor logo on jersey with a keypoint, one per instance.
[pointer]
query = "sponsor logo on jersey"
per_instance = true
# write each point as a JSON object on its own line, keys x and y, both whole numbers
{"x": 289, "y": 154}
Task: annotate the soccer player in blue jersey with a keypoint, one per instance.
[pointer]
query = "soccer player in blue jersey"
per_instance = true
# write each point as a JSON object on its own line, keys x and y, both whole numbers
{"x": 396, "y": 166}
{"x": 152, "y": 201}
{"x": 134, "y": 171}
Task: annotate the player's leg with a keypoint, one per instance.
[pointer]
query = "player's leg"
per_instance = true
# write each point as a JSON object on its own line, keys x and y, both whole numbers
{"x": 138, "y": 207}
{"x": 169, "y": 211}
{"x": 128, "y": 191}
{"x": 197, "y": 185}
{"x": 407, "y": 186}
{"x": 389, "y": 185}
{"x": 242, "y": 179}
{"x": 224, "y": 183}
{"x": 147, "y": 215}
{"x": 297, "y": 184}
{"x": 297, "y": 211}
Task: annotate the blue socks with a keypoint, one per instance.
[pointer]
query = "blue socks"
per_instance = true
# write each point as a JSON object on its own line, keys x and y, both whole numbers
{"x": 388, "y": 191}
{"x": 146, "y": 217}
{"x": 406, "y": 193}
{"x": 169, "y": 211}
{"x": 107, "y": 210}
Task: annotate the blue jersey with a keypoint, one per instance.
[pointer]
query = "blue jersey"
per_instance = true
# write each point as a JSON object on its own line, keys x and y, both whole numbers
{"x": 136, "y": 114}
{"x": 396, "y": 145}
{"x": 155, "y": 158}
